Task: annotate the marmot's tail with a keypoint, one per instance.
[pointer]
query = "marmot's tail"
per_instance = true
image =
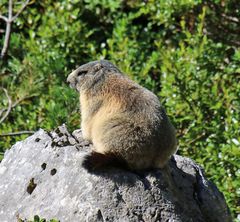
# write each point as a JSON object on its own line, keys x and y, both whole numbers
{"x": 95, "y": 161}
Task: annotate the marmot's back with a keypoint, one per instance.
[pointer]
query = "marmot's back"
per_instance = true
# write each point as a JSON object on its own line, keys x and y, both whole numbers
{"x": 123, "y": 120}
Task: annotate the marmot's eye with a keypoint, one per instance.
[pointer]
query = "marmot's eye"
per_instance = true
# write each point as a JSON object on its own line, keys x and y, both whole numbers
{"x": 83, "y": 72}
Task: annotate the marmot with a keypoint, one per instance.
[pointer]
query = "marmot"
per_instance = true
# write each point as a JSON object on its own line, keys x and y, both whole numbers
{"x": 124, "y": 121}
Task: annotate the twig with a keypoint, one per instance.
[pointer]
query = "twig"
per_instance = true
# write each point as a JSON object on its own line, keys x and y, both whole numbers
{"x": 17, "y": 102}
{"x": 230, "y": 18}
{"x": 20, "y": 100}
{"x": 4, "y": 74}
{"x": 9, "y": 21}
{"x": 8, "y": 31}
{"x": 196, "y": 139}
{"x": 16, "y": 133}
{"x": 9, "y": 106}
{"x": 20, "y": 11}
{"x": 12, "y": 106}
{"x": 3, "y": 18}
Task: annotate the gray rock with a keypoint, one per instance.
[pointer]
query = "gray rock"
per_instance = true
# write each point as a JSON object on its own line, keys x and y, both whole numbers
{"x": 42, "y": 175}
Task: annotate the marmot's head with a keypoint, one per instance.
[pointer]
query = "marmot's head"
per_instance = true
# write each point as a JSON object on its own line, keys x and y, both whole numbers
{"x": 91, "y": 73}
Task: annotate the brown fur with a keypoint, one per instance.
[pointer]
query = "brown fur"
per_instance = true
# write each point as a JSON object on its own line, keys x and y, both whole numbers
{"x": 121, "y": 118}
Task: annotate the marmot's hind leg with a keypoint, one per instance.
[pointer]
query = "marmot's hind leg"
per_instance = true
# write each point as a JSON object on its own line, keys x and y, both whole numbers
{"x": 95, "y": 161}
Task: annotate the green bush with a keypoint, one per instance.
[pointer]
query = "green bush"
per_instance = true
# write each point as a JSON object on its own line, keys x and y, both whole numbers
{"x": 37, "y": 219}
{"x": 174, "y": 48}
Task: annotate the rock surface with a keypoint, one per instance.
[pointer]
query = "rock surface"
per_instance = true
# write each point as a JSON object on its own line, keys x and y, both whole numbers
{"x": 43, "y": 176}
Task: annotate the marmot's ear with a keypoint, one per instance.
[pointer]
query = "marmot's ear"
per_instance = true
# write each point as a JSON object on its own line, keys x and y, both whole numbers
{"x": 93, "y": 70}
{"x": 98, "y": 76}
{"x": 97, "y": 67}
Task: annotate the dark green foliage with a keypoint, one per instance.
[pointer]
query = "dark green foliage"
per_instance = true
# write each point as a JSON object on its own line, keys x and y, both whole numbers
{"x": 37, "y": 219}
{"x": 187, "y": 52}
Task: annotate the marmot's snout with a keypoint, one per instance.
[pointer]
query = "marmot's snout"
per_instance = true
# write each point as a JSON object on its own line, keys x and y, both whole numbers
{"x": 74, "y": 77}
{"x": 71, "y": 79}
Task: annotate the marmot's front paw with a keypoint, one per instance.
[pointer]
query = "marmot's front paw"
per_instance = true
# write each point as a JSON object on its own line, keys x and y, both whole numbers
{"x": 93, "y": 161}
{"x": 88, "y": 162}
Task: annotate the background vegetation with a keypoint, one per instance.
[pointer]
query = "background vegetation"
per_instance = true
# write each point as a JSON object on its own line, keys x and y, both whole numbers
{"x": 186, "y": 51}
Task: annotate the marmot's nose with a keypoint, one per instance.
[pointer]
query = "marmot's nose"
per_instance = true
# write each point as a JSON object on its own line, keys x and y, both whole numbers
{"x": 71, "y": 77}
